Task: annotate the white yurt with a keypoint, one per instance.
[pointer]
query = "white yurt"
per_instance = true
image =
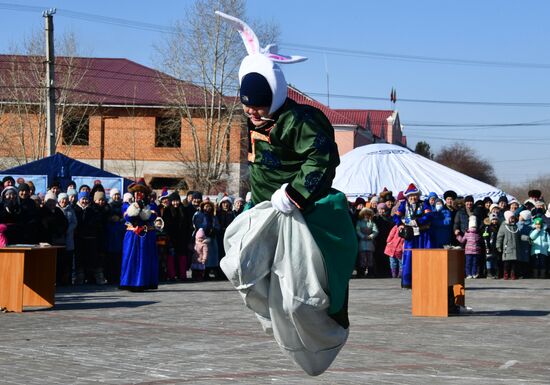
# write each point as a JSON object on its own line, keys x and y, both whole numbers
{"x": 366, "y": 170}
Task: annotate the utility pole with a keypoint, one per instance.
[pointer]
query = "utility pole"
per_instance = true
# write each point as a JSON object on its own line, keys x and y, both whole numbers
{"x": 50, "y": 78}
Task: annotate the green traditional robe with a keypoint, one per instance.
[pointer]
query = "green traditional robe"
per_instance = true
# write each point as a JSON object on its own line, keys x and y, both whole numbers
{"x": 298, "y": 148}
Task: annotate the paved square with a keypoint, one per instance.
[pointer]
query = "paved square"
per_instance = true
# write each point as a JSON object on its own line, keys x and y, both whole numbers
{"x": 201, "y": 333}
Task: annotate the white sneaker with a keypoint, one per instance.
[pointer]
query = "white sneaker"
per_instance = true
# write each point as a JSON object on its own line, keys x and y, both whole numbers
{"x": 469, "y": 277}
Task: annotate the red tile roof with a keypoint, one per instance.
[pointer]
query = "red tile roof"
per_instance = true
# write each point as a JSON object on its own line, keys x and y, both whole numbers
{"x": 332, "y": 115}
{"x": 377, "y": 119}
{"x": 106, "y": 81}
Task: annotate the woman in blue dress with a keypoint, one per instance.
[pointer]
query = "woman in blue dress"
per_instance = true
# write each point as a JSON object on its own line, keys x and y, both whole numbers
{"x": 139, "y": 270}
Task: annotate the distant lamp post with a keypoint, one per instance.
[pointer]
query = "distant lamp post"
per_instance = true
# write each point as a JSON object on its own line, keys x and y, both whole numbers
{"x": 102, "y": 140}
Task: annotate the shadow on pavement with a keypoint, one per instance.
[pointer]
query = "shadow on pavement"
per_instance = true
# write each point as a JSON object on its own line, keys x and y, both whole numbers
{"x": 95, "y": 305}
{"x": 511, "y": 313}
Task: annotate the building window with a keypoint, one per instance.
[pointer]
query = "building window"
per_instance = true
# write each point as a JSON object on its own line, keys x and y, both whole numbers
{"x": 76, "y": 131}
{"x": 168, "y": 132}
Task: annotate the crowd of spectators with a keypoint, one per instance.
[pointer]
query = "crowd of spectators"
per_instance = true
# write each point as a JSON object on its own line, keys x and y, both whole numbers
{"x": 502, "y": 239}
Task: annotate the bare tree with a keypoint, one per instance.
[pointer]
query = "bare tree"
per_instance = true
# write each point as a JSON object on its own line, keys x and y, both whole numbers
{"x": 22, "y": 76}
{"x": 464, "y": 159}
{"x": 205, "y": 53}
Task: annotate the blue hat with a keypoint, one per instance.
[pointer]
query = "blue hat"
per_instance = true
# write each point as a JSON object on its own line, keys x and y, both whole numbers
{"x": 432, "y": 195}
{"x": 83, "y": 194}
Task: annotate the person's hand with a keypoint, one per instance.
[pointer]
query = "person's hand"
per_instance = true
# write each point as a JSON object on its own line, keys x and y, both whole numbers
{"x": 457, "y": 231}
{"x": 281, "y": 202}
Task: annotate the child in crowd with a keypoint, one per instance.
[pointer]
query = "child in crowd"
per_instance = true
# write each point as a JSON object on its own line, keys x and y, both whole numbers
{"x": 508, "y": 239}
{"x": 394, "y": 250}
{"x": 200, "y": 256}
{"x": 492, "y": 257}
{"x": 472, "y": 241}
{"x": 540, "y": 244}
{"x": 366, "y": 232}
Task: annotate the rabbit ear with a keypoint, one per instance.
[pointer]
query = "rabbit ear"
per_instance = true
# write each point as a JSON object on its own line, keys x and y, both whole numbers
{"x": 284, "y": 59}
{"x": 270, "y": 48}
{"x": 247, "y": 34}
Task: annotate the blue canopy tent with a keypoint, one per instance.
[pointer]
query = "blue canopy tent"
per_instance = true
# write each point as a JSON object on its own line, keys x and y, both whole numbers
{"x": 64, "y": 169}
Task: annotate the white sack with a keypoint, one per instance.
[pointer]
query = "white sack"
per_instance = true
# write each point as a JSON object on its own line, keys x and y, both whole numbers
{"x": 275, "y": 264}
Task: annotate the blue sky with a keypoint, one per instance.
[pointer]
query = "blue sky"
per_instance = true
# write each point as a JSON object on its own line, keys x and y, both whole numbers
{"x": 493, "y": 53}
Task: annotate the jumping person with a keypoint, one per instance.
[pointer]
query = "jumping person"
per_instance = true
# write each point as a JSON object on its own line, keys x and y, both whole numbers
{"x": 293, "y": 158}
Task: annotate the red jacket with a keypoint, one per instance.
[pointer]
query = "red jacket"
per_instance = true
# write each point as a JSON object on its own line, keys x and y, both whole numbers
{"x": 394, "y": 244}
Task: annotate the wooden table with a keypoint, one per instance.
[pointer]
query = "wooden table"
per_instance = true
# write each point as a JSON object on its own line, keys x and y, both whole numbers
{"x": 27, "y": 276}
{"x": 434, "y": 272}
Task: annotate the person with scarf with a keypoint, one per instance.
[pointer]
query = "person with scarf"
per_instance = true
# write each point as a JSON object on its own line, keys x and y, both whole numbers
{"x": 139, "y": 269}
{"x": 414, "y": 220}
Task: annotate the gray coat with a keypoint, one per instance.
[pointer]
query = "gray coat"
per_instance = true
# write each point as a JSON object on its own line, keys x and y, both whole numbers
{"x": 72, "y": 223}
{"x": 508, "y": 239}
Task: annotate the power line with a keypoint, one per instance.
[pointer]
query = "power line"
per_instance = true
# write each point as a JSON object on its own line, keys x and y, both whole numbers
{"x": 414, "y": 58}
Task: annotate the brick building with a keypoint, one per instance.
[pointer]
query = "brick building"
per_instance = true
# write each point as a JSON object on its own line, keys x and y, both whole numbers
{"x": 120, "y": 116}
{"x": 127, "y": 119}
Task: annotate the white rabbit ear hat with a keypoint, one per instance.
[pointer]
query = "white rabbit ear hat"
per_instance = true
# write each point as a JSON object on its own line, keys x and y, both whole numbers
{"x": 261, "y": 61}
{"x": 262, "y": 65}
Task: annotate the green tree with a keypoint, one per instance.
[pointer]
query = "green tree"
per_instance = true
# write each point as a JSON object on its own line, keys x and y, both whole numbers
{"x": 424, "y": 149}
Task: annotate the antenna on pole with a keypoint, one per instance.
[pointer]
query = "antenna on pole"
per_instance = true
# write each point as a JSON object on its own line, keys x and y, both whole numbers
{"x": 50, "y": 81}
{"x": 328, "y": 84}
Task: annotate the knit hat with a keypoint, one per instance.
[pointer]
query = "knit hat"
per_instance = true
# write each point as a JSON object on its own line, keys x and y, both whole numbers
{"x": 239, "y": 199}
{"x": 260, "y": 78}
{"x": 534, "y": 194}
{"x": 83, "y": 194}
{"x": 538, "y": 221}
{"x": 226, "y": 199}
{"x": 9, "y": 188}
{"x": 374, "y": 199}
{"x": 359, "y": 201}
{"x": 487, "y": 200}
{"x": 113, "y": 192}
{"x": 507, "y": 215}
{"x": 503, "y": 198}
{"x": 493, "y": 216}
{"x": 469, "y": 198}
{"x": 23, "y": 187}
{"x": 127, "y": 197}
{"x": 71, "y": 191}
{"x": 197, "y": 195}
{"x": 472, "y": 221}
{"x": 432, "y": 195}
{"x": 494, "y": 205}
{"x": 449, "y": 193}
{"x": 50, "y": 195}
{"x": 525, "y": 215}
{"x": 62, "y": 196}
{"x": 99, "y": 195}
{"x": 411, "y": 190}
{"x": 174, "y": 197}
{"x": 381, "y": 206}
{"x": 248, "y": 197}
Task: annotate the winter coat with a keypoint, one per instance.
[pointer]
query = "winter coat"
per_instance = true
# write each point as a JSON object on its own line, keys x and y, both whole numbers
{"x": 472, "y": 241}
{"x": 72, "y": 222}
{"x": 201, "y": 248}
{"x": 489, "y": 234}
{"x": 540, "y": 241}
{"x": 441, "y": 228}
{"x": 508, "y": 241}
{"x": 54, "y": 226}
{"x": 176, "y": 226}
{"x": 366, "y": 232}
{"x": 394, "y": 244}
{"x": 524, "y": 251}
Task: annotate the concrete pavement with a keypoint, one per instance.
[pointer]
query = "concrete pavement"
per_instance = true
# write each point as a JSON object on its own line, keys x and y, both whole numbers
{"x": 201, "y": 333}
